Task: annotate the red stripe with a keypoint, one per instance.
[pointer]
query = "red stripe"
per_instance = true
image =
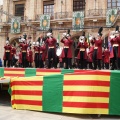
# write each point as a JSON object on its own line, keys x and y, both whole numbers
{"x": 85, "y": 72}
{"x": 85, "y": 105}
{"x": 27, "y": 102}
{"x": 87, "y": 82}
{"x": 14, "y": 69}
{"x": 27, "y": 83}
{"x": 26, "y": 92}
{"x": 14, "y": 75}
{"x": 48, "y": 70}
{"x": 86, "y": 93}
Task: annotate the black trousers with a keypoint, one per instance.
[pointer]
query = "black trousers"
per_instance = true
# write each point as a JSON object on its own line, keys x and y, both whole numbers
{"x": 24, "y": 59}
{"x": 90, "y": 65}
{"x": 41, "y": 65}
{"x": 107, "y": 65}
{"x": 7, "y": 59}
{"x": 13, "y": 61}
{"x": 36, "y": 60}
{"x": 82, "y": 60}
{"x": 96, "y": 62}
{"x": 51, "y": 58}
{"x": 115, "y": 59}
{"x": 67, "y": 60}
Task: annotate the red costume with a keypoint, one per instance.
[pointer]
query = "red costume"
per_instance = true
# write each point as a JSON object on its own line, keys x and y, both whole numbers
{"x": 13, "y": 52}
{"x": 42, "y": 51}
{"x": 106, "y": 54}
{"x": 90, "y": 54}
{"x": 67, "y": 44}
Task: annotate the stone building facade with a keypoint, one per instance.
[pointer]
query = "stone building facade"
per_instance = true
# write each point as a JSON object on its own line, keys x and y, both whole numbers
{"x": 61, "y": 17}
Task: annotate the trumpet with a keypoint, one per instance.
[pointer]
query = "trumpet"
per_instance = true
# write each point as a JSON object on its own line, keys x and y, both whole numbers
{"x": 81, "y": 39}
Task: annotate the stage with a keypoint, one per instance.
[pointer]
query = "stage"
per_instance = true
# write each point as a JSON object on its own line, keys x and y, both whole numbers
{"x": 64, "y": 91}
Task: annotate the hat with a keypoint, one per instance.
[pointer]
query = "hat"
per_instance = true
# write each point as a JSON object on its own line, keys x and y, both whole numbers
{"x": 117, "y": 29}
{"x": 68, "y": 33}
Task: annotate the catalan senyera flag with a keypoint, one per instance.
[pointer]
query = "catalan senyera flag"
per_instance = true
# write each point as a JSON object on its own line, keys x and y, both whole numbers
{"x": 27, "y": 93}
{"x": 79, "y": 92}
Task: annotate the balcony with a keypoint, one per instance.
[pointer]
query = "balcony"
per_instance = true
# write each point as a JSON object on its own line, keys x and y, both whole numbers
{"x": 38, "y": 17}
{"x": 63, "y": 15}
{"x": 95, "y": 13}
{"x": 23, "y": 19}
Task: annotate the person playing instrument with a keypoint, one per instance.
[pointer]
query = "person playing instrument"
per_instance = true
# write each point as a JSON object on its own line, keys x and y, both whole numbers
{"x": 97, "y": 53}
{"x": 51, "y": 42}
{"x": 7, "y": 57}
{"x": 82, "y": 54}
{"x": 106, "y": 59}
{"x": 42, "y": 55}
{"x": 67, "y": 50}
{"x": 30, "y": 57}
{"x": 115, "y": 42}
{"x": 12, "y": 53}
{"x": 24, "y": 47}
{"x": 36, "y": 54}
{"x": 90, "y": 54}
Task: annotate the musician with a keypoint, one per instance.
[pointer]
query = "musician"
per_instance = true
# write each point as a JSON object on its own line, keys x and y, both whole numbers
{"x": 30, "y": 57}
{"x": 97, "y": 53}
{"x": 12, "y": 53}
{"x": 115, "y": 42}
{"x": 106, "y": 60}
{"x": 82, "y": 54}
{"x": 51, "y": 42}
{"x": 67, "y": 50}
{"x": 24, "y": 47}
{"x": 7, "y": 56}
{"x": 42, "y": 55}
{"x": 36, "y": 54}
{"x": 90, "y": 54}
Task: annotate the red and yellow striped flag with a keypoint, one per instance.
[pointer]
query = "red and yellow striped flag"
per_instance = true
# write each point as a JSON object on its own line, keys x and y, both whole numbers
{"x": 27, "y": 93}
{"x": 86, "y": 92}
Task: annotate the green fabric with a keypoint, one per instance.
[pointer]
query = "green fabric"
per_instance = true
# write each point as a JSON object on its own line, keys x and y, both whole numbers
{"x": 52, "y": 93}
{"x": 9, "y": 90}
{"x": 30, "y": 72}
{"x": 114, "y": 99}
{"x": 1, "y": 72}
{"x": 64, "y": 71}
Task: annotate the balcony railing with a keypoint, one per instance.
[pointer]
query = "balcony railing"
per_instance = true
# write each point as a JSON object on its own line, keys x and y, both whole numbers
{"x": 23, "y": 19}
{"x": 38, "y": 17}
{"x": 63, "y": 15}
{"x": 95, "y": 13}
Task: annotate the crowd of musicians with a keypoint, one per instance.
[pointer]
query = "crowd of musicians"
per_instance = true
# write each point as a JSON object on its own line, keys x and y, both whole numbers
{"x": 42, "y": 54}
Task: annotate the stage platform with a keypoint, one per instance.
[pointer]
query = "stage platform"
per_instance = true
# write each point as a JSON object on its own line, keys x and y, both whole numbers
{"x": 64, "y": 91}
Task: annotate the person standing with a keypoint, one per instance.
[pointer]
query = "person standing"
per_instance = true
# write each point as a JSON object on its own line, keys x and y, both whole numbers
{"x": 7, "y": 54}
{"x": 66, "y": 55}
{"x": 51, "y": 42}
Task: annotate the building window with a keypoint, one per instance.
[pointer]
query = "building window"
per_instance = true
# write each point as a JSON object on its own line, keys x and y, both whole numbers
{"x": 78, "y": 5}
{"x": 19, "y": 10}
{"x": 113, "y": 3}
{"x": 48, "y": 7}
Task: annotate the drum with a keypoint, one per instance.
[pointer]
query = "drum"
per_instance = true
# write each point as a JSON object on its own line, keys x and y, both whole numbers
{"x": 59, "y": 51}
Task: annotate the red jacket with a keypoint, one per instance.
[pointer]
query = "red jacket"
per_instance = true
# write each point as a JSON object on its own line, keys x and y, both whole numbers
{"x": 98, "y": 45}
{"x": 7, "y": 48}
{"x": 67, "y": 43}
{"x": 36, "y": 50}
{"x": 13, "y": 52}
{"x": 20, "y": 57}
{"x": 90, "y": 54}
{"x": 106, "y": 54}
{"x": 42, "y": 51}
{"x": 30, "y": 56}
{"x": 82, "y": 46}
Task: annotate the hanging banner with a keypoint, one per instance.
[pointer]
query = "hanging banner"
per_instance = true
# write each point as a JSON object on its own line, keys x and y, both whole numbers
{"x": 78, "y": 21}
{"x": 15, "y": 25}
{"x": 111, "y": 16}
{"x": 44, "y": 22}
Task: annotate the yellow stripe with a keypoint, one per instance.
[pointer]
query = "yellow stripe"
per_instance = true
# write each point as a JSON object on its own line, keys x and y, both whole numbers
{"x": 85, "y": 110}
{"x": 86, "y": 88}
{"x": 14, "y": 72}
{"x": 87, "y": 77}
{"x": 26, "y": 97}
{"x": 21, "y": 87}
{"x": 85, "y": 99}
{"x": 28, "y": 107}
{"x": 47, "y": 73}
{"x": 35, "y": 78}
